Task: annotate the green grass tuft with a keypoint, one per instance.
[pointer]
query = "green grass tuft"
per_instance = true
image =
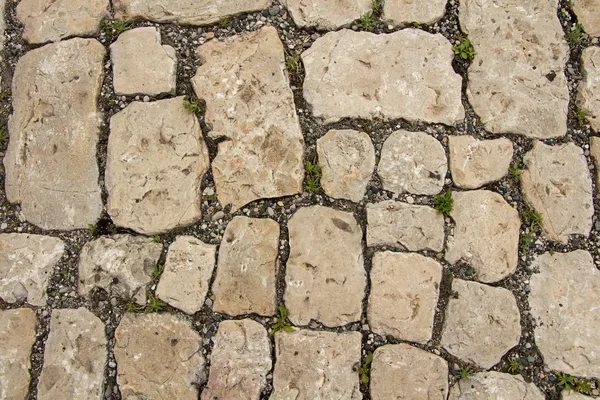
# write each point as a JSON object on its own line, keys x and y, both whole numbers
{"x": 282, "y": 324}
{"x": 365, "y": 369}
{"x": 312, "y": 181}
{"x": 444, "y": 203}
{"x": 464, "y": 50}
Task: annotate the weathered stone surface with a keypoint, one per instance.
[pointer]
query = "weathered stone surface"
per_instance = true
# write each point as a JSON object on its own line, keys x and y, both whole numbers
{"x": 74, "y": 358}
{"x": 188, "y": 270}
{"x": 595, "y": 153}
{"x": 412, "y": 162}
{"x": 573, "y": 395}
{"x": 557, "y": 183}
{"x": 516, "y": 81}
{"x": 482, "y": 323}
{"x": 564, "y": 301}
{"x": 407, "y": 74}
{"x": 2, "y": 25}
{"x": 53, "y": 20}
{"x": 404, "y": 293}
{"x": 588, "y": 97}
{"x": 400, "y": 13}
{"x": 316, "y": 366}
{"x": 159, "y": 356}
{"x": 326, "y": 14}
{"x": 413, "y": 227}
{"x": 200, "y": 12}
{"x": 119, "y": 264}
{"x": 247, "y": 267}
{"x": 588, "y": 14}
{"x": 141, "y": 65}
{"x": 325, "y": 275}
{"x": 347, "y": 160}
{"x": 486, "y": 234}
{"x": 17, "y": 336}
{"x": 493, "y": 385}
{"x": 155, "y": 164}
{"x": 400, "y": 371}
{"x": 239, "y": 362}
{"x": 249, "y": 101}
{"x": 51, "y": 166}
{"x": 26, "y": 264}
{"x": 475, "y": 163}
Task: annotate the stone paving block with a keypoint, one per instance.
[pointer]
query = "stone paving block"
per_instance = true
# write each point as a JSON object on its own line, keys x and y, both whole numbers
{"x": 364, "y": 75}
{"x": 154, "y": 168}
{"x": 595, "y": 153}
{"x": 74, "y": 357}
{"x": 51, "y": 166}
{"x": 326, "y": 14}
{"x": 249, "y": 102}
{"x": 493, "y": 385}
{"x": 588, "y": 14}
{"x": 26, "y": 264}
{"x": 573, "y": 395}
{"x": 588, "y": 96}
{"x": 325, "y": 275}
{"x": 400, "y": 13}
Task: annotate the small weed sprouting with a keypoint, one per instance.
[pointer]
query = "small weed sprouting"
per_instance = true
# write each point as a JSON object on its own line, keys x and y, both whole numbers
{"x": 464, "y": 50}
{"x": 376, "y": 5}
{"x": 365, "y": 369}
{"x": 154, "y": 304}
{"x": 367, "y": 22}
{"x": 516, "y": 170}
{"x": 155, "y": 239}
{"x": 93, "y": 229}
{"x": 312, "y": 182}
{"x": 134, "y": 308}
{"x": 525, "y": 242}
{"x": 3, "y": 136}
{"x": 581, "y": 116}
{"x": 192, "y": 105}
{"x": 157, "y": 271}
{"x": 225, "y": 23}
{"x": 532, "y": 219}
{"x": 584, "y": 386}
{"x": 513, "y": 366}
{"x": 281, "y": 324}
{"x": 115, "y": 27}
{"x": 566, "y": 382}
{"x": 444, "y": 203}
{"x": 293, "y": 64}
{"x": 465, "y": 373}
{"x": 575, "y": 36}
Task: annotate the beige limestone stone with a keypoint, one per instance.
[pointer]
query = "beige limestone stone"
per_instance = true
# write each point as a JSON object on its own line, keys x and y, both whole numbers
{"x": 573, "y": 395}
{"x": 595, "y": 153}
{"x": 588, "y": 96}
{"x": 400, "y": 13}
{"x": 492, "y": 385}
{"x": 588, "y": 14}
{"x": 326, "y": 14}
{"x": 2, "y": 25}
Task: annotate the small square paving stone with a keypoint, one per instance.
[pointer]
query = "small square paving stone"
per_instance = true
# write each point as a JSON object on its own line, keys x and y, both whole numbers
{"x": 588, "y": 96}
{"x": 400, "y": 13}
{"x": 316, "y": 366}
{"x": 494, "y": 385}
{"x": 326, "y": 14}
{"x": 74, "y": 357}
{"x": 247, "y": 267}
{"x": 588, "y": 14}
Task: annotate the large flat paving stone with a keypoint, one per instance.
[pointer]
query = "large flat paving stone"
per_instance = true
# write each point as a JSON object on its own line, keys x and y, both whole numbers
{"x": 494, "y": 385}
{"x": 400, "y": 13}
{"x": 326, "y": 14}
{"x": 516, "y": 80}
{"x": 588, "y": 14}
{"x": 51, "y": 166}
{"x": 588, "y": 96}
{"x": 407, "y": 74}
{"x": 249, "y": 102}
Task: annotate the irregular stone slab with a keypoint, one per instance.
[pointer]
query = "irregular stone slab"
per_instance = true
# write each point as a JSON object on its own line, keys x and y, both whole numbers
{"x": 51, "y": 166}
{"x": 141, "y": 65}
{"x": 573, "y": 395}
{"x": 249, "y": 101}
{"x": 26, "y": 264}
{"x": 588, "y": 96}
{"x": 155, "y": 164}
{"x": 404, "y": 293}
{"x": 247, "y": 267}
{"x": 595, "y": 153}
{"x": 188, "y": 270}
{"x": 395, "y": 224}
{"x": 564, "y": 300}
{"x": 119, "y": 264}
{"x": 486, "y": 234}
{"x": 325, "y": 275}
{"x": 400, "y": 13}
{"x": 400, "y": 371}
{"x": 475, "y": 163}
{"x": 412, "y": 162}
{"x": 325, "y": 14}
{"x": 74, "y": 357}
{"x": 316, "y": 365}
{"x": 363, "y": 75}
{"x": 159, "y": 355}
{"x": 347, "y": 160}
{"x": 17, "y": 336}
{"x": 482, "y": 323}
{"x": 588, "y": 14}
{"x": 53, "y": 20}
{"x": 557, "y": 183}
{"x": 493, "y": 385}
{"x": 516, "y": 81}
{"x": 240, "y": 361}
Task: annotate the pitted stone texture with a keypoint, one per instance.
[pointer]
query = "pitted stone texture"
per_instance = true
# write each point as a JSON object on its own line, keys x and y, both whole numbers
{"x": 325, "y": 275}
{"x": 400, "y": 371}
{"x": 17, "y": 336}
{"x": 516, "y": 81}
{"x": 326, "y": 14}
{"x": 249, "y": 101}
{"x": 155, "y": 164}
{"x": 412, "y": 162}
{"x": 247, "y": 267}
{"x": 493, "y": 385}
{"x": 53, "y": 20}
{"x": 316, "y": 366}
{"x": 119, "y": 264}
{"x": 74, "y": 358}
{"x": 486, "y": 234}
{"x": 188, "y": 270}
{"x": 406, "y": 74}
{"x": 588, "y": 97}
{"x": 413, "y": 227}
{"x": 400, "y": 13}
{"x": 595, "y": 153}
{"x": 557, "y": 183}
{"x": 158, "y": 356}
{"x": 26, "y": 264}
{"x": 404, "y": 294}
{"x": 564, "y": 301}
{"x": 141, "y": 65}
{"x": 475, "y": 163}
{"x": 51, "y": 166}
{"x": 239, "y": 362}
{"x": 482, "y": 323}
{"x": 588, "y": 14}
{"x": 347, "y": 159}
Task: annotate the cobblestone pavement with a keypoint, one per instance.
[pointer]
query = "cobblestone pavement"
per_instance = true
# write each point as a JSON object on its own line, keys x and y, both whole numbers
{"x": 300, "y": 199}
